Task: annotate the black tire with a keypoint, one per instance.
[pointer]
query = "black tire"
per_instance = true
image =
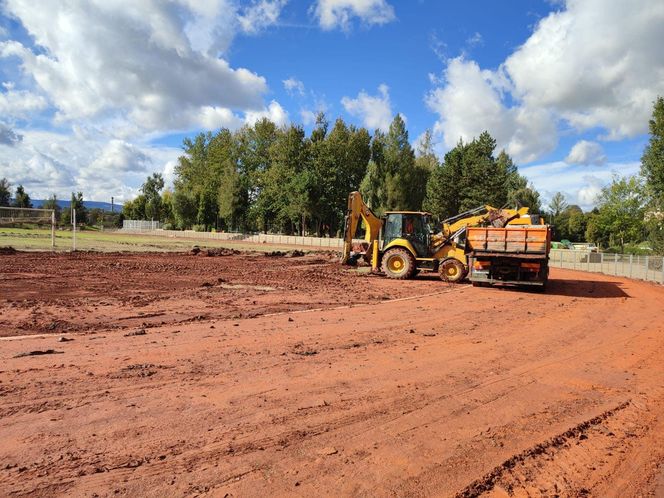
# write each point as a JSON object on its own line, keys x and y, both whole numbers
{"x": 398, "y": 263}
{"x": 452, "y": 270}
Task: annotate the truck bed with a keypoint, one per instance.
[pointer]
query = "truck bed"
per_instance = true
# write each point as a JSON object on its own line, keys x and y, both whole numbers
{"x": 516, "y": 239}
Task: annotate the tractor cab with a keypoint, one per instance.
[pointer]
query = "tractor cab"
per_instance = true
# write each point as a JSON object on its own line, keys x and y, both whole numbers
{"x": 413, "y": 226}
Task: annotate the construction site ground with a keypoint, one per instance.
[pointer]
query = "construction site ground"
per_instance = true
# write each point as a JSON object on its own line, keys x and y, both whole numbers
{"x": 256, "y": 375}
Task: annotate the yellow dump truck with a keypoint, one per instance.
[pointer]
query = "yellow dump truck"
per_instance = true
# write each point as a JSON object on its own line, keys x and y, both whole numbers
{"x": 514, "y": 255}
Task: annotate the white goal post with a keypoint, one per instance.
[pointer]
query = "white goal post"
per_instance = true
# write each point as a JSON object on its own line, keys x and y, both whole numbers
{"x": 15, "y": 216}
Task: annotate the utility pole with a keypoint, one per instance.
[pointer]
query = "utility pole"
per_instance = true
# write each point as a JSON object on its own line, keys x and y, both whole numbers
{"x": 112, "y": 204}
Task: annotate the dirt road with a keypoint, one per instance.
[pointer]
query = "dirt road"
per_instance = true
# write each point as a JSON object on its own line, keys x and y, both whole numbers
{"x": 242, "y": 391}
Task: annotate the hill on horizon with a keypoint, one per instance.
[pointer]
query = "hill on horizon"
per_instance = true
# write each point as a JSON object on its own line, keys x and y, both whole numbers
{"x": 106, "y": 206}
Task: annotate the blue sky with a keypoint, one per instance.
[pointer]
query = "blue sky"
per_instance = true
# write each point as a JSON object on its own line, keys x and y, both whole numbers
{"x": 96, "y": 95}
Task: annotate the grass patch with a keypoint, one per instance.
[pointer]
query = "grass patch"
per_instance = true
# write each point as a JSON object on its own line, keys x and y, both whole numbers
{"x": 39, "y": 239}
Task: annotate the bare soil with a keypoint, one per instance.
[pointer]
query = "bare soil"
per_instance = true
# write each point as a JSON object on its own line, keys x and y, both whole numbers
{"x": 245, "y": 375}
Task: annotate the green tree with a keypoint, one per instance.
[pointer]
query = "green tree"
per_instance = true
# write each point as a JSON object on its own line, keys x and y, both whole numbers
{"x": 652, "y": 161}
{"x": 5, "y": 192}
{"x": 399, "y": 164}
{"x": 557, "y": 205}
{"x": 52, "y": 203}
{"x": 562, "y": 223}
{"x": 96, "y": 217}
{"x": 76, "y": 203}
{"x": 338, "y": 164}
{"x": 620, "y": 213}
{"x": 167, "y": 214}
{"x": 652, "y": 168}
{"x": 443, "y": 193}
{"x": 134, "y": 209}
{"x": 526, "y": 197}
{"x": 206, "y": 215}
{"x": 372, "y": 186}
{"x": 426, "y": 163}
{"x": 152, "y": 192}
{"x": 287, "y": 194}
{"x": 21, "y": 198}
{"x": 185, "y": 208}
{"x": 576, "y": 225}
{"x": 470, "y": 176}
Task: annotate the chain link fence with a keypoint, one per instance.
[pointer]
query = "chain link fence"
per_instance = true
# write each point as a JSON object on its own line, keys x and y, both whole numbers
{"x": 623, "y": 265}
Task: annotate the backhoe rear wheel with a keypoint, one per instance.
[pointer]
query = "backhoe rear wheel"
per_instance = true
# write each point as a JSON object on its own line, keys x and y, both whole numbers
{"x": 452, "y": 270}
{"x": 398, "y": 263}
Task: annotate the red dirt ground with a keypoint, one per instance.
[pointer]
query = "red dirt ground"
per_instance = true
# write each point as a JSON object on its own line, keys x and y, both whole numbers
{"x": 247, "y": 375}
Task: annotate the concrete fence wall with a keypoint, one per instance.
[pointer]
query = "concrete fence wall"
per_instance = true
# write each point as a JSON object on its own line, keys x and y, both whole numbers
{"x": 140, "y": 225}
{"x": 649, "y": 268}
{"x": 622, "y": 265}
{"x": 261, "y": 238}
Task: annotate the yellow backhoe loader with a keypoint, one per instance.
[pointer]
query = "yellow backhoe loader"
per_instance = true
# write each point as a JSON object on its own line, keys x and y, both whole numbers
{"x": 402, "y": 243}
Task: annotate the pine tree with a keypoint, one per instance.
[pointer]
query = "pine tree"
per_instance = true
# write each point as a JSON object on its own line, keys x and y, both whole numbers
{"x": 21, "y": 198}
{"x": 399, "y": 167}
{"x": 5, "y": 192}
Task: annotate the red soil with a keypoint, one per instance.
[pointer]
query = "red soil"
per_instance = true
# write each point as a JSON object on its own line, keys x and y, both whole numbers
{"x": 192, "y": 375}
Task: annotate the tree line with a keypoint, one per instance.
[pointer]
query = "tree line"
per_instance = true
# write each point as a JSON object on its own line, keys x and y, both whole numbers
{"x": 629, "y": 215}
{"x": 84, "y": 216}
{"x": 278, "y": 179}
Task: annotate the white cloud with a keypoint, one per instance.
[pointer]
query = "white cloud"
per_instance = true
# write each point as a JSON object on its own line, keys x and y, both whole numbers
{"x": 49, "y": 163}
{"x": 580, "y": 184}
{"x": 339, "y": 13}
{"x": 293, "y": 85}
{"x": 260, "y": 15}
{"x": 274, "y": 112}
{"x": 594, "y": 64}
{"x": 471, "y": 102}
{"x": 475, "y": 40}
{"x": 120, "y": 156}
{"x": 598, "y": 63}
{"x": 19, "y": 103}
{"x": 132, "y": 60}
{"x": 8, "y": 136}
{"x": 375, "y": 111}
{"x": 119, "y": 74}
{"x": 585, "y": 152}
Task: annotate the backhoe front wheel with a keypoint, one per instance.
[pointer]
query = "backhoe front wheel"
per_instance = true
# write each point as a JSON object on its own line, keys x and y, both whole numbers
{"x": 452, "y": 270}
{"x": 398, "y": 263}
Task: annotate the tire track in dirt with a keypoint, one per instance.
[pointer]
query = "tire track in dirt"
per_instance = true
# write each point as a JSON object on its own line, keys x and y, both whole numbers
{"x": 542, "y": 450}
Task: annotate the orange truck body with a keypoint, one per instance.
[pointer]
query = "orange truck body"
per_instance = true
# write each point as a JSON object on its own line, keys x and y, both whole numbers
{"x": 514, "y": 255}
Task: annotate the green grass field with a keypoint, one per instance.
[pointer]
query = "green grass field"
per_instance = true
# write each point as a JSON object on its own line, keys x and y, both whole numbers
{"x": 39, "y": 239}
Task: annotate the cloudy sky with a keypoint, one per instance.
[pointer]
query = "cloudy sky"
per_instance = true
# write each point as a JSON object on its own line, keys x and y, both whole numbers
{"x": 97, "y": 94}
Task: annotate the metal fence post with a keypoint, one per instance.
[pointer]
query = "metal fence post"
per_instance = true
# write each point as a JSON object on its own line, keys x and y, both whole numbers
{"x": 631, "y": 260}
{"x": 601, "y": 262}
{"x": 661, "y": 277}
{"x": 646, "y": 276}
{"x": 561, "y": 258}
{"x": 74, "y": 226}
{"x": 588, "y": 261}
{"x": 615, "y": 263}
{"x": 53, "y": 230}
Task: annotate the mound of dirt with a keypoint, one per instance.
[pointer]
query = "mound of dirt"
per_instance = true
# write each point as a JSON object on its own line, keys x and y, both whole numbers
{"x": 295, "y": 253}
{"x": 219, "y": 251}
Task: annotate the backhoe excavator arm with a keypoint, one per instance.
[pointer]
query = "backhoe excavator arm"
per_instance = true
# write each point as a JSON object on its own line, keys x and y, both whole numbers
{"x": 358, "y": 211}
{"x": 481, "y": 215}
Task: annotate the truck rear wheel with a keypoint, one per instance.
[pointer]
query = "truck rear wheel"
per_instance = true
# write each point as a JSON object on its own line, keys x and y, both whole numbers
{"x": 398, "y": 263}
{"x": 452, "y": 270}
